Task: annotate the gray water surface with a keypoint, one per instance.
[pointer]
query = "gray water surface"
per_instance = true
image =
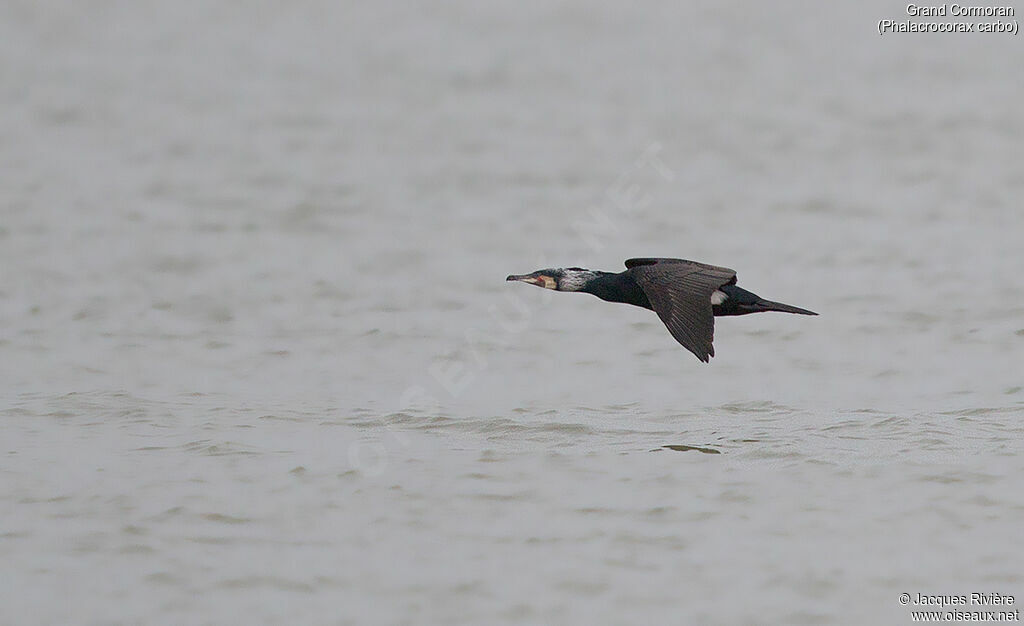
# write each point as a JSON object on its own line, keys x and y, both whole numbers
{"x": 259, "y": 363}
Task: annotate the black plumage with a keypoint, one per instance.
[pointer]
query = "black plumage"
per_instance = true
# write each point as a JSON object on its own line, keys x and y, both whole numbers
{"x": 686, "y": 295}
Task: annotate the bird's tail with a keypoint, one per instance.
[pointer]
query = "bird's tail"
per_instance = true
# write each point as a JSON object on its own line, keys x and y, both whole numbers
{"x": 768, "y": 305}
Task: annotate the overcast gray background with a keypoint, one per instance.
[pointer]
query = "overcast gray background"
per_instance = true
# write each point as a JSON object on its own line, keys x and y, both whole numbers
{"x": 259, "y": 364}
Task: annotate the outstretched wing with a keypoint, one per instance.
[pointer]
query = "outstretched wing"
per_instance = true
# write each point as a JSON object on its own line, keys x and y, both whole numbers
{"x": 631, "y": 263}
{"x": 680, "y": 293}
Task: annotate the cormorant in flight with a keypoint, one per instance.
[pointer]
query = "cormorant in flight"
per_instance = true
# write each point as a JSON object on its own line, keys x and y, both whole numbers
{"x": 686, "y": 295}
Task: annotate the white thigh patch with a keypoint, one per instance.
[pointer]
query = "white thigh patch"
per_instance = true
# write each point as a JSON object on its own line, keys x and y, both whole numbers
{"x": 718, "y": 297}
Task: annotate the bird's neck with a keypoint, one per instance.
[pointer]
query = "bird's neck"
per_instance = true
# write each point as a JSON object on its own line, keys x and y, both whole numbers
{"x": 617, "y": 288}
{"x": 576, "y": 279}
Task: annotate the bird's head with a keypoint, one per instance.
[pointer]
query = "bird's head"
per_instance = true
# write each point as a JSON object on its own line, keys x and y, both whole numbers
{"x": 559, "y": 279}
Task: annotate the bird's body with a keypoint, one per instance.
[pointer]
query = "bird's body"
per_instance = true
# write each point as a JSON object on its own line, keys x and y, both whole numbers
{"x": 686, "y": 295}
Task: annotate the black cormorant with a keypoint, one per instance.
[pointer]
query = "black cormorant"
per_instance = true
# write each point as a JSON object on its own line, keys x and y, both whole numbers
{"x": 686, "y": 295}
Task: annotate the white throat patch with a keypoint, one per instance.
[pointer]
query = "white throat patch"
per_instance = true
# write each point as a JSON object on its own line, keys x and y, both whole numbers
{"x": 574, "y": 280}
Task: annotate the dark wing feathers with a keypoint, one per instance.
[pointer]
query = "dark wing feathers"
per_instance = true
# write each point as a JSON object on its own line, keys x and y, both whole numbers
{"x": 631, "y": 263}
{"x": 680, "y": 293}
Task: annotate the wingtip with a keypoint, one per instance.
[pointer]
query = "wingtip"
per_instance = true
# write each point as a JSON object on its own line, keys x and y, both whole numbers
{"x": 703, "y": 358}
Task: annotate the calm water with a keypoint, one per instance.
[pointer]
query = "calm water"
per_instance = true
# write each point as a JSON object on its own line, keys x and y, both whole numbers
{"x": 260, "y": 364}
